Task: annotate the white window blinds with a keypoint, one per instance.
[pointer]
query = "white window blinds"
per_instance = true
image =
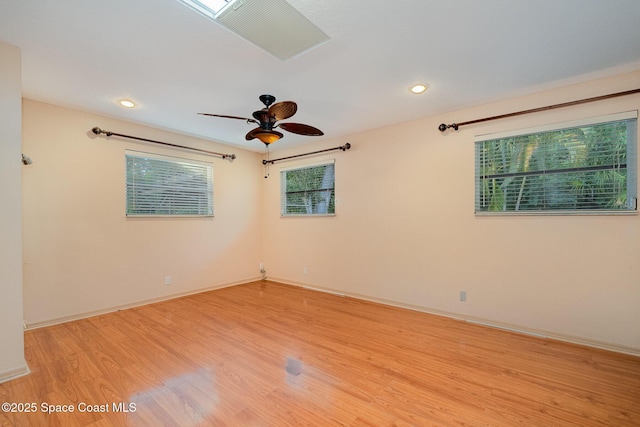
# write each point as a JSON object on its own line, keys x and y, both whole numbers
{"x": 308, "y": 190}
{"x": 167, "y": 186}
{"x": 589, "y": 166}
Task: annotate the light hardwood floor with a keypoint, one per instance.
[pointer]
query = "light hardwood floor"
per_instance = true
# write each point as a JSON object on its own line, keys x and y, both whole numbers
{"x": 266, "y": 354}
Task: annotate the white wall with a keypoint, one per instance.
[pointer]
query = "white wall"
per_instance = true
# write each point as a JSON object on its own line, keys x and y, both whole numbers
{"x": 83, "y": 256}
{"x": 12, "y": 361}
{"x": 405, "y": 231}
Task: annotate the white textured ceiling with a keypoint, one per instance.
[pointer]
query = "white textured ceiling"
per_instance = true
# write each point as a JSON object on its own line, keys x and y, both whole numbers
{"x": 87, "y": 54}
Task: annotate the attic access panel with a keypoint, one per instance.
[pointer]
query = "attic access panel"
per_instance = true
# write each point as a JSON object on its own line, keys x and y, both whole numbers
{"x": 274, "y": 25}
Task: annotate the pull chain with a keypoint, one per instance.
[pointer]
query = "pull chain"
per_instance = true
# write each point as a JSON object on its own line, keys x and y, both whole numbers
{"x": 266, "y": 165}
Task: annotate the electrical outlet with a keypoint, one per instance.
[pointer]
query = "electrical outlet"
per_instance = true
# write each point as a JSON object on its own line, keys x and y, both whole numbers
{"x": 305, "y": 270}
{"x": 167, "y": 280}
{"x": 463, "y": 295}
{"x": 261, "y": 266}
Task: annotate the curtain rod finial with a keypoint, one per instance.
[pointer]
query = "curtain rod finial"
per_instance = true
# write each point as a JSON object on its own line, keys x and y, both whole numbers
{"x": 26, "y": 160}
{"x": 444, "y": 127}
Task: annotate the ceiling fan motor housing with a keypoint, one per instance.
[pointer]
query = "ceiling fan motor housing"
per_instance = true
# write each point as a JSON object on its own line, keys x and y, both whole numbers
{"x": 266, "y": 120}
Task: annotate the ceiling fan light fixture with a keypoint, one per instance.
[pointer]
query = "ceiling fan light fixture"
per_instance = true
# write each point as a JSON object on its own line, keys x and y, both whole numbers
{"x": 268, "y": 137}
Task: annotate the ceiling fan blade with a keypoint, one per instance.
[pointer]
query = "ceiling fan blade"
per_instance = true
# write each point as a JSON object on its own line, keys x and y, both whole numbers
{"x": 229, "y": 117}
{"x": 301, "y": 129}
{"x": 283, "y": 110}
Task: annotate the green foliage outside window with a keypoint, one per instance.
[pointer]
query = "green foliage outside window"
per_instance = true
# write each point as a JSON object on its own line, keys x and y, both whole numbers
{"x": 576, "y": 169}
{"x": 309, "y": 190}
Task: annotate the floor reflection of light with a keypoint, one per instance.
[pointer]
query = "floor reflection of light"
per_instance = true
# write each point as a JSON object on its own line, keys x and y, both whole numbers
{"x": 193, "y": 394}
{"x": 293, "y": 369}
{"x": 309, "y": 384}
{"x": 294, "y": 366}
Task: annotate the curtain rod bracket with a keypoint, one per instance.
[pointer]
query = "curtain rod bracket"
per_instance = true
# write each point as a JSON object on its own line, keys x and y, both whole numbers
{"x": 455, "y": 126}
{"x": 96, "y": 130}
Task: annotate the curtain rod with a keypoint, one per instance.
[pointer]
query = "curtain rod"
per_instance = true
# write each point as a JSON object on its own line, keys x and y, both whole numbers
{"x": 99, "y": 131}
{"x": 455, "y": 126}
{"x": 344, "y": 147}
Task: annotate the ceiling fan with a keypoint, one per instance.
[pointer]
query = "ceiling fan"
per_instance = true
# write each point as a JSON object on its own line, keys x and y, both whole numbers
{"x": 267, "y": 119}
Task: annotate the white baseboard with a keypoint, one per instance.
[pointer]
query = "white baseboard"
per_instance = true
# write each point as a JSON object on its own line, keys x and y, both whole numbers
{"x": 14, "y": 373}
{"x": 84, "y": 315}
{"x": 474, "y": 320}
{"x": 478, "y": 321}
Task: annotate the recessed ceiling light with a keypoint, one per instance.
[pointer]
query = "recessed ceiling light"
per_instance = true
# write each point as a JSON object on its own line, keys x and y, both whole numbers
{"x": 126, "y": 103}
{"x": 419, "y": 88}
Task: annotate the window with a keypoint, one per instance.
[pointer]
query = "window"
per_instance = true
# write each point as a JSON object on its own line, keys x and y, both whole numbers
{"x": 308, "y": 190}
{"x": 572, "y": 168}
{"x": 168, "y": 186}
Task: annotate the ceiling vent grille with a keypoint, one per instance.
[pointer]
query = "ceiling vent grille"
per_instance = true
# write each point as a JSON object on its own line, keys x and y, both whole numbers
{"x": 273, "y": 25}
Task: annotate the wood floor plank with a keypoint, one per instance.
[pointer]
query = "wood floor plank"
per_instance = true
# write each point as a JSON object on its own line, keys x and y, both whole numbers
{"x": 267, "y": 354}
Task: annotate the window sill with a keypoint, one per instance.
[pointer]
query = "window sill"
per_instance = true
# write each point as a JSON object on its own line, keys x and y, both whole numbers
{"x": 561, "y": 213}
{"x": 306, "y": 215}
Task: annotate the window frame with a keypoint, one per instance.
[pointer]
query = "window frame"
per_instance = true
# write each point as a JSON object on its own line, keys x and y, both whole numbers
{"x": 207, "y": 168}
{"x": 305, "y": 166}
{"x": 631, "y": 165}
